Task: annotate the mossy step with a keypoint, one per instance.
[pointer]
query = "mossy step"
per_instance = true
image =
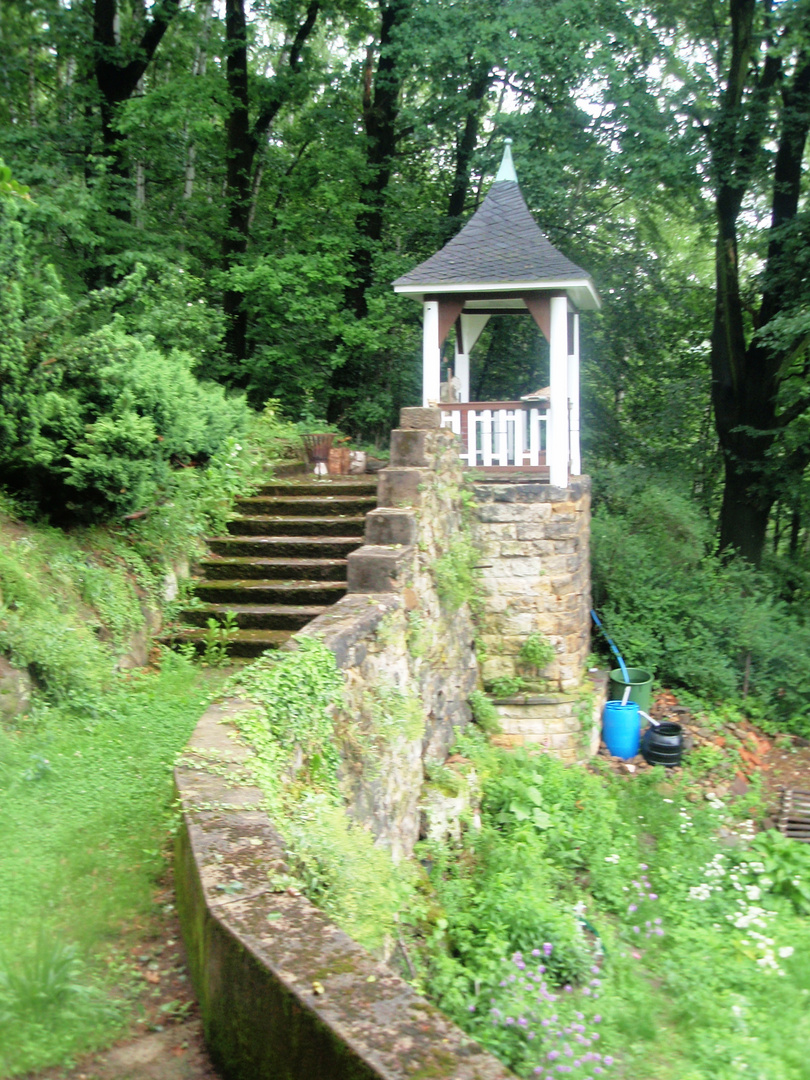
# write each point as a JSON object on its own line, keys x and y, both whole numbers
{"x": 326, "y": 505}
{"x": 218, "y": 568}
{"x": 279, "y": 547}
{"x": 296, "y": 526}
{"x": 254, "y": 616}
{"x": 297, "y": 486}
{"x": 242, "y": 643}
{"x": 257, "y": 591}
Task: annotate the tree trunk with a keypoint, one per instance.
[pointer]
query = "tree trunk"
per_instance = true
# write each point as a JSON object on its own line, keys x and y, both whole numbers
{"x": 242, "y": 142}
{"x": 465, "y": 147}
{"x": 240, "y": 149}
{"x": 745, "y": 374}
{"x": 118, "y": 80}
{"x": 380, "y": 116}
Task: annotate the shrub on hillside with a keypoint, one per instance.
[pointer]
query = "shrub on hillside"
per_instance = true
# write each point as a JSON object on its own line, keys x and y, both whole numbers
{"x": 671, "y": 606}
{"x": 92, "y": 423}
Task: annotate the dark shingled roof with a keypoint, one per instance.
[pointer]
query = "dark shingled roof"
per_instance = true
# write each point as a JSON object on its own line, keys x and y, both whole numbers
{"x": 500, "y": 243}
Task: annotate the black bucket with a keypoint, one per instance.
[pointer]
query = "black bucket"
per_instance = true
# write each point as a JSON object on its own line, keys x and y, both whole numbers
{"x": 663, "y": 744}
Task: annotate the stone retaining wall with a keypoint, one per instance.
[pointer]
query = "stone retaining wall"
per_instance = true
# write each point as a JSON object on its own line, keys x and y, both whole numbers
{"x": 398, "y": 643}
{"x": 283, "y": 992}
{"x": 536, "y": 556}
{"x": 566, "y": 725}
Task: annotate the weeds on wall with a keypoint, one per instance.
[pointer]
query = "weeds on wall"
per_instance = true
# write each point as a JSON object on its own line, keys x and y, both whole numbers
{"x": 456, "y": 575}
{"x": 296, "y": 764}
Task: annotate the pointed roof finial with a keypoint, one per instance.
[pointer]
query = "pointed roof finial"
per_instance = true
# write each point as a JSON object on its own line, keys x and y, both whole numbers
{"x": 507, "y": 169}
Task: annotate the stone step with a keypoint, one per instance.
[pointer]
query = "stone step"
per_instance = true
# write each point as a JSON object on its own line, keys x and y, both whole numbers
{"x": 254, "y": 616}
{"x": 242, "y": 643}
{"x": 258, "y": 591}
{"x": 242, "y": 567}
{"x": 320, "y": 488}
{"x": 307, "y": 505}
{"x": 296, "y": 526}
{"x": 279, "y": 547}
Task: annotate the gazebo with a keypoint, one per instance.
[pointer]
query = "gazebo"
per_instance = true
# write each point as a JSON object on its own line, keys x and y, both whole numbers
{"x": 500, "y": 263}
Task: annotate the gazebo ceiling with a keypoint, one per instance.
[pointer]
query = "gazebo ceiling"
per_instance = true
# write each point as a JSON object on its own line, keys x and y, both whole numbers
{"x": 499, "y": 251}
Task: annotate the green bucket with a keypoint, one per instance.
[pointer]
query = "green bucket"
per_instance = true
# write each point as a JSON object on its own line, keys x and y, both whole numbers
{"x": 640, "y": 683}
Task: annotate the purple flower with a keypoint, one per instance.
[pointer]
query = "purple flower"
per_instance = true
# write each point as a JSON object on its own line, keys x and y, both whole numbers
{"x": 586, "y": 990}
{"x": 597, "y": 1070}
{"x": 633, "y": 907}
{"x": 595, "y": 969}
{"x": 595, "y": 1036}
{"x": 522, "y": 1021}
{"x": 568, "y": 988}
{"x": 608, "y": 1060}
{"x": 636, "y": 930}
{"x": 541, "y": 969}
{"x": 552, "y": 1055}
{"x": 547, "y": 948}
{"x": 529, "y": 1035}
{"x": 509, "y": 1020}
{"x": 597, "y": 1019}
{"x": 596, "y": 982}
{"x": 653, "y": 895}
{"x": 535, "y": 952}
{"x": 642, "y": 866}
{"x": 538, "y": 1069}
{"x": 471, "y": 1008}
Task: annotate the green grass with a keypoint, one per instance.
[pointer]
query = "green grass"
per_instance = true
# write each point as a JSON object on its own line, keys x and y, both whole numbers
{"x": 85, "y": 811}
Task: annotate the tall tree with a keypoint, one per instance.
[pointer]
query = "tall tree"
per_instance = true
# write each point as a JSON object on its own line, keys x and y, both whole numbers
{"x": 120, "y": 62}
{"x": 764, "y": 104}
{"x": 244, "y": 138}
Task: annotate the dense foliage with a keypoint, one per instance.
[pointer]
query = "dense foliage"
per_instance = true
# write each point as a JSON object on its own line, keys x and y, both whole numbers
{"x": 599, "y": 925}
{"x": 721, "y": 631}
{"x": 275, "y": 166}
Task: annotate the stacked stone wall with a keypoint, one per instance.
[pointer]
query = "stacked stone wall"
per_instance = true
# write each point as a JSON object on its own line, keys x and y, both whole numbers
{"x": 395, "y": 638}
{"x": 536, "y": 576}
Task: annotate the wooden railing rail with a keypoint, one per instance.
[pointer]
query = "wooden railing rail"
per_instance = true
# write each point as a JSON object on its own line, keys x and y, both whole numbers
{"x": 499, "y": 433}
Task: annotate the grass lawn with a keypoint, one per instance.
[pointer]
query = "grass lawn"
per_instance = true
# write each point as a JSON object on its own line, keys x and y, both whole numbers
{"x": 85, "y": 815}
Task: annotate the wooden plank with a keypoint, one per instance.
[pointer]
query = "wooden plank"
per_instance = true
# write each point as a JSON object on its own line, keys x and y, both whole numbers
{"x": 486, "y": 438}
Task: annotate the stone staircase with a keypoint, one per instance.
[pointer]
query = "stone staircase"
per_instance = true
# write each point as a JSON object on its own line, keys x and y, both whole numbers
{"x": 282, "y": 562}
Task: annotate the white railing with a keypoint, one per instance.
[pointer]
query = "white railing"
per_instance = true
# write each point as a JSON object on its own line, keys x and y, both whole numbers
{"x": 498, "y": 433}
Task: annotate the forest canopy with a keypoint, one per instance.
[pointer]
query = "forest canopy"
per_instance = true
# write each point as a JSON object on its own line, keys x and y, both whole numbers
{"x": 240, "y": 182}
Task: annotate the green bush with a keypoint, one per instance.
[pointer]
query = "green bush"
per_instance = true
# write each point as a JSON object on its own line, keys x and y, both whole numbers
{"x": 674, "y": 608}
{"x": 92, "y": 419}
{"x": 110, "y": 420}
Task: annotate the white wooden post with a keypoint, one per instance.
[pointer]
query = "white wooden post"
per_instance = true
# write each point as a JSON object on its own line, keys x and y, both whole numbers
{"x": 558, "y": 406}
{"x": 431, "y": 354}
{"x": 573, "y": 397}
{"x": 461, "y": 369}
